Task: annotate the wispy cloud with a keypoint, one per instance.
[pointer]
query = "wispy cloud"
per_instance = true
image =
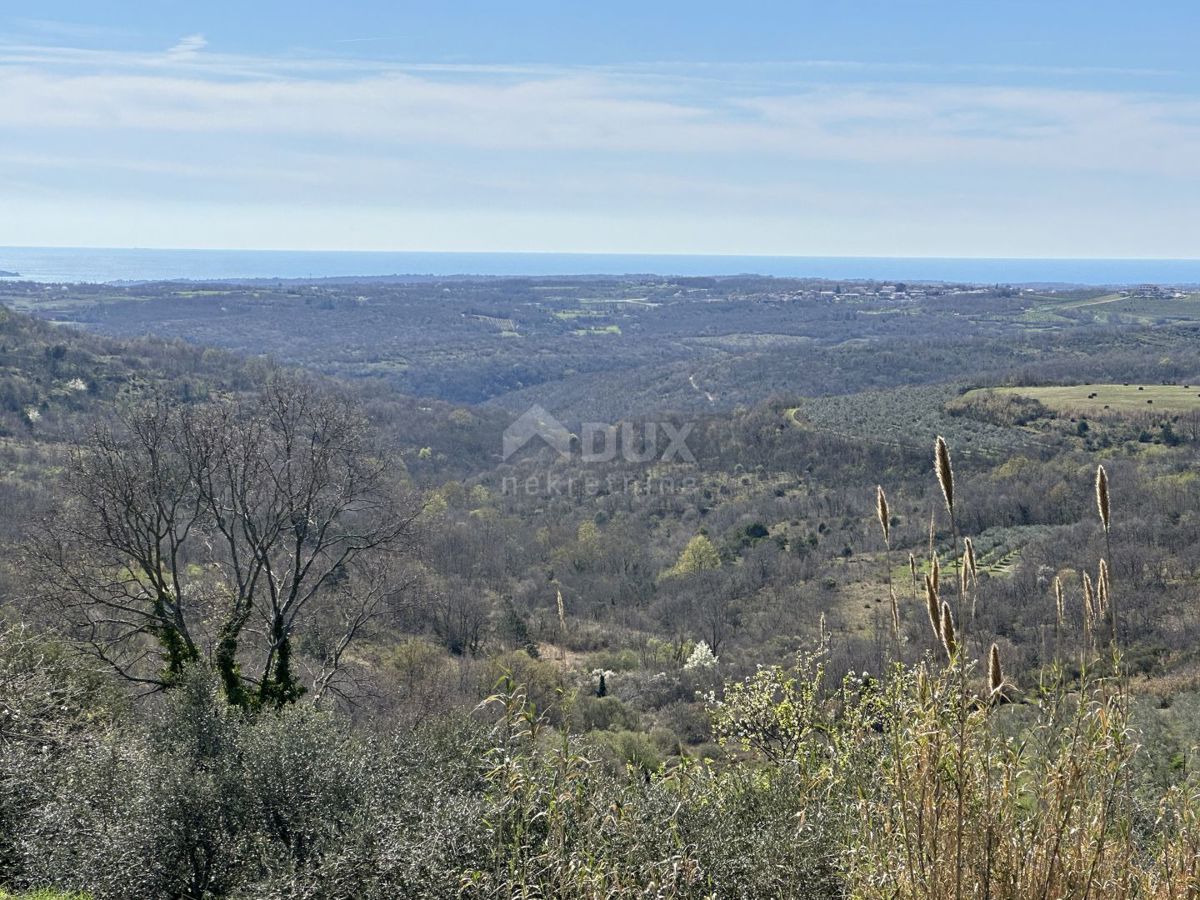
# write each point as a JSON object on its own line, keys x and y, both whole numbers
{"x": 187, "y": 47}
{"x": 611, "y": 111}
{"x": 787, "y": 141}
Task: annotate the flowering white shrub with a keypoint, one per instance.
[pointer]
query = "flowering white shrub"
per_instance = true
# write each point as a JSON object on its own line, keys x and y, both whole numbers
{"x": 701, "y": 658}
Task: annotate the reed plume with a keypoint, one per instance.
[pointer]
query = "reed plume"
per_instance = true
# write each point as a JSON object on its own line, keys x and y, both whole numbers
{"x": 885, "y": 523}
{"x": 947, "y": 631}
{"x": 969, "y": 561}
{"x": 935, "y": 573}
{"x": 933, "y": 605}
{"x": 1102, "y": 589}
{"x": 1089, "y": 601}
{"x": 995, "y": 672}
{"x": 1059, "y": 604}
{"x": 1102, "y": 503}
{"x": 1103, "y": 507}
{"x": 912, "y": 567}
{"x": 562, "y": 613}
{"x": 945, "y": 473}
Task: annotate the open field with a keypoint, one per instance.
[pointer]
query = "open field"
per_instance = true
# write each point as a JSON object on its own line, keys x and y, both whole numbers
{"x": 1098, "y": 399}
{"x": 1119, "y": 307}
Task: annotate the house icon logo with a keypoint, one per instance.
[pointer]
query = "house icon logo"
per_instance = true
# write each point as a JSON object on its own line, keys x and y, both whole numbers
{"x": 536, "y": 422}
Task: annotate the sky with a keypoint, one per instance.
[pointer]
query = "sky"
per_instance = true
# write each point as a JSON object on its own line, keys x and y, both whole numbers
{"x": 965, "y": 128}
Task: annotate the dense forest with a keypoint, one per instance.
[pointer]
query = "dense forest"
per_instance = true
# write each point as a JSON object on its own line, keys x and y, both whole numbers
{"x": 830, "y": 589}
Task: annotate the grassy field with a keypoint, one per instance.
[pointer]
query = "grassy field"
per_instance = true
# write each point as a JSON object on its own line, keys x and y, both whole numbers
{"x": 1123, "y": 306}
{"x": 1098, "y": 399}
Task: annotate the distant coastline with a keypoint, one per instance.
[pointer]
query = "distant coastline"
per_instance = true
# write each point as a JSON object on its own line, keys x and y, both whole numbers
{"x": 43, "y": 264}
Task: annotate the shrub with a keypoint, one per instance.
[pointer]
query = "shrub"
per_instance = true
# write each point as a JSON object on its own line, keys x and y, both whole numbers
{"x": 590, "y": 713}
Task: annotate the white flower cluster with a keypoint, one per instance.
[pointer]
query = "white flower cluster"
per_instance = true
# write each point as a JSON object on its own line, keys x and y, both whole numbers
{"x": 701, "y": 658}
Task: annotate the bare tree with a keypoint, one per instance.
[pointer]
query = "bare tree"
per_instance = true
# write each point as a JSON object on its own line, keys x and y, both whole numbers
{"x": 374, "y": 586}
{"x": 216, "y": 532}
{"x": 716, "y": 603}
{"x": 458, "y": 612}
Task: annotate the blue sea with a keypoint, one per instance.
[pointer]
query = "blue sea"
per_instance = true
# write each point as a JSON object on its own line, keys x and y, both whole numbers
{"x": 68, "y": 264}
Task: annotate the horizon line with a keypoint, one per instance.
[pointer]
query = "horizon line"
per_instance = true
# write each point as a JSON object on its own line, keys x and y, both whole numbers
{"x": 601, "y": 253}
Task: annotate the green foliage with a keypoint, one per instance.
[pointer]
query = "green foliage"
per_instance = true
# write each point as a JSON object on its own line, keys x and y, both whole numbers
{"x": 687, "y": 834}
{"x": 541, "y": 682}
{"x": 776, "y": 713}
{"x": 698, "y": 556}
{"x": 603, "y": 713}
{"x": 203, "y": 802}
{"x": 999, "y": 407}
{"x": 633, "y": 749}
{"x": 860, "y": 789}
{"x": 613, "y": 660}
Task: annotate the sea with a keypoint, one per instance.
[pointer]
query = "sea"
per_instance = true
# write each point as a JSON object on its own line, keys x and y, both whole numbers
{"x": 98, "y": 265}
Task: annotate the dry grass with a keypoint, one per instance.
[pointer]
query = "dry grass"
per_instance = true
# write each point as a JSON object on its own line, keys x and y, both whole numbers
{"x": 945, "y": 472}
{"x": 966, "y": 811}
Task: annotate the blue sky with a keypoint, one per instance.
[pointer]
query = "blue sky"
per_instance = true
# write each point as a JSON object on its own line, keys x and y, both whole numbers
{"x": 881, "y": 129}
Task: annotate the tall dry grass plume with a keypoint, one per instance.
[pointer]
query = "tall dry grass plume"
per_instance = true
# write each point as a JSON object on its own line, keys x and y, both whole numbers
{"x": 923, "y": 683}
{"x": 885, "y": 523}
{"x": 881, "y": 511}
{"x": 1089, "y": 609}
{"x": 1102, "y": 502}
{"x": 933, "y": 606}
{"x": 995, "y": 672}
{"x": 1102, "y": 589}
{"x": 947, "y": 632}
{"x": 945, "y": 472}
{"x": 1103, "y": 506}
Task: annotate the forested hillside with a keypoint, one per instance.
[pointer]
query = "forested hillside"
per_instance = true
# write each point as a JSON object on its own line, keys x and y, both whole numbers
{"x": 285, "y": 616}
